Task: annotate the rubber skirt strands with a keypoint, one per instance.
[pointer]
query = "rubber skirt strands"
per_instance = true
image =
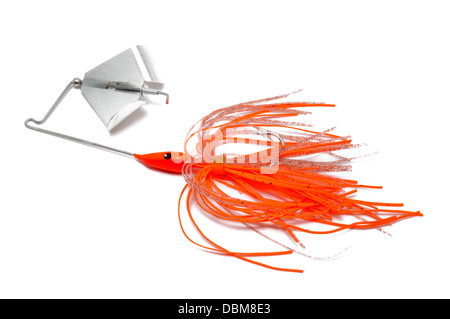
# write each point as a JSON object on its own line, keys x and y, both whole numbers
{"x": 286, "y": 188}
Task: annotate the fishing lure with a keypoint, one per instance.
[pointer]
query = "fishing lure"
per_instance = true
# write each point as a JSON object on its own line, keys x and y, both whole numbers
{"x": 280, "y": 180}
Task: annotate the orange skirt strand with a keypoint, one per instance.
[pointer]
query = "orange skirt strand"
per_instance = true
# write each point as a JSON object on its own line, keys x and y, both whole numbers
{"x": 285, "y": 186}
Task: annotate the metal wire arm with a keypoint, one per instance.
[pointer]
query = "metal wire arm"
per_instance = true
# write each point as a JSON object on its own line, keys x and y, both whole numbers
{"x": 75, "y": 83}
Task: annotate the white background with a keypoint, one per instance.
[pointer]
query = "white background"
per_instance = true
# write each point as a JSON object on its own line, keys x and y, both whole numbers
{"x": 77, "y": 222}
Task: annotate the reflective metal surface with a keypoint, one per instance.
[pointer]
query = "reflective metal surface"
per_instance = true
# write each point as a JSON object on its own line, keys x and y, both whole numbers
{"x": 115, "y": 88}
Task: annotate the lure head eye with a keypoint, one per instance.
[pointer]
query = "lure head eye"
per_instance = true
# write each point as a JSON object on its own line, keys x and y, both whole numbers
{"x": 166, "y": 161}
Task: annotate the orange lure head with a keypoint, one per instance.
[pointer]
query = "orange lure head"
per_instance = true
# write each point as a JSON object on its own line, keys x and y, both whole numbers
{"x": 166, "y": 161}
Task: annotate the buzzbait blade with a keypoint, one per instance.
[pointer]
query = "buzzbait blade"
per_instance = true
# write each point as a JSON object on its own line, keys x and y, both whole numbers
{"x": 115, "y": 88}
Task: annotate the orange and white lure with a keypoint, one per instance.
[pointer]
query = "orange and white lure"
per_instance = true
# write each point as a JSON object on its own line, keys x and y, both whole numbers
{"x": 282, "y": 185}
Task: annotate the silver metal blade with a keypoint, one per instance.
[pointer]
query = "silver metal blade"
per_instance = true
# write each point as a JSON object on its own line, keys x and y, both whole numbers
{"x": 113, "y": 105}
